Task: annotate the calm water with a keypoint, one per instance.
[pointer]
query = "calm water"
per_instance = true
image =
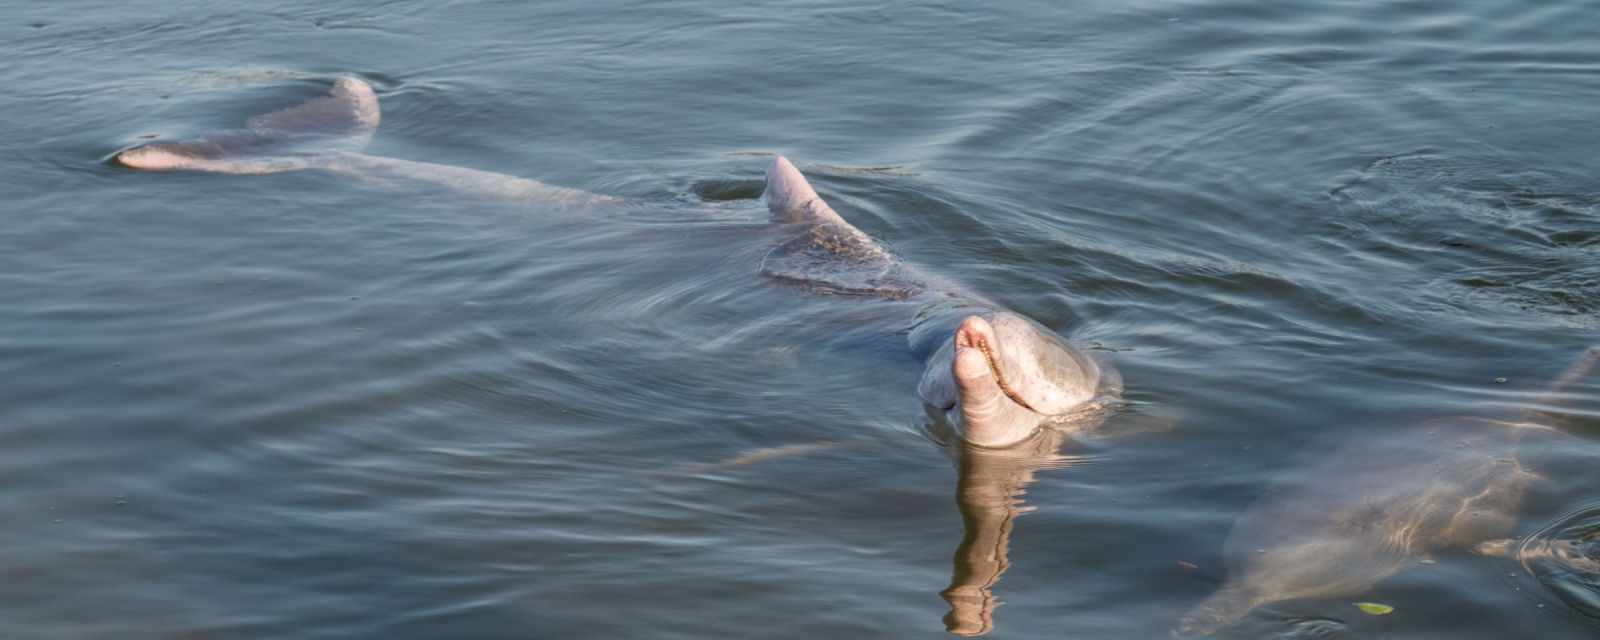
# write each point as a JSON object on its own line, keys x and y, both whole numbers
{"x": 310, "y": 406}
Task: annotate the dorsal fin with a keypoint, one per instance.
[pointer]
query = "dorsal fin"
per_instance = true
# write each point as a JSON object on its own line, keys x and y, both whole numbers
{"x": 293, "y": 138}
{"x": 790, "y": 197}
{"x": 349, "y": 109}
{"x": 830, "y": 255}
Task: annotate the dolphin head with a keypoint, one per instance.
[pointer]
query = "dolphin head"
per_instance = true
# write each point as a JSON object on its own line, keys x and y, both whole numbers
{"x": 1001, "y": 376}
{"x": 236, "y": 152}
{"x": 170, "y": 156}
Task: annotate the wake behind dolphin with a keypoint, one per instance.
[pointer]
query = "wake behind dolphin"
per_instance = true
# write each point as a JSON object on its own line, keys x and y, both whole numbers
{"x": 328, "y": 133}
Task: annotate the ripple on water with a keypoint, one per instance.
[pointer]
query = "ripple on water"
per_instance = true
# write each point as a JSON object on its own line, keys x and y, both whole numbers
{"x": 719, "y": 190}
{"x": 1500, "y": 242}
{"x": 1312, "y": 629}
{"x": 1565, "y": 557}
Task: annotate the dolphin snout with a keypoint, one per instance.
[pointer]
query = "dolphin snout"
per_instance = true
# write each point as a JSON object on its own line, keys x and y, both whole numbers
{"x": 149, "y": 158}
{"x": 975, "y": 332}
{"x": 975, "y": 353}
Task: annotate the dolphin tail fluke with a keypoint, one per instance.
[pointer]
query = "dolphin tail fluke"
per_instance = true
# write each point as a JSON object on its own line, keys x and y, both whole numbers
{"x": 295, "y": 138}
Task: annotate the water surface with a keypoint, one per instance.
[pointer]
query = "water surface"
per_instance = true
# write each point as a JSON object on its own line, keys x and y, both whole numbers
{"x": 307, "y": 406}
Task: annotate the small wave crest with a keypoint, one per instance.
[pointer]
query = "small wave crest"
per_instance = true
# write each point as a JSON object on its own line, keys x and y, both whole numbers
{"x": 1564, "y": 556}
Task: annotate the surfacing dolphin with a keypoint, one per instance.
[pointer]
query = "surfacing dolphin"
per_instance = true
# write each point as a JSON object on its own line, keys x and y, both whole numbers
{"x": 993, "y": 375}
{"x": 299, "y": 137}
{"x": 328, "y": 134}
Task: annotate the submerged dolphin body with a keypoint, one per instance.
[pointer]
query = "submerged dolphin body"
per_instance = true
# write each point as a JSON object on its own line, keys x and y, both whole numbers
{"x": 1368, "y": 512}
{"x": 328, "y": 133}
{"x": 994, "y": 375}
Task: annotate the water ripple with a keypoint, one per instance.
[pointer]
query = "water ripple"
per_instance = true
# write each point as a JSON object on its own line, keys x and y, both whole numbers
{"x": 1565, "y": 557}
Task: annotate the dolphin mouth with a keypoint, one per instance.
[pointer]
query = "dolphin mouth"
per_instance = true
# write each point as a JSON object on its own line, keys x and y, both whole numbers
{"x": 975, "y": 333}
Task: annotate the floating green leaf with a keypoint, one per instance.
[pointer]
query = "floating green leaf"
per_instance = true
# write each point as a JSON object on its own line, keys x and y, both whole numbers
{"x": 1375, "y": 609}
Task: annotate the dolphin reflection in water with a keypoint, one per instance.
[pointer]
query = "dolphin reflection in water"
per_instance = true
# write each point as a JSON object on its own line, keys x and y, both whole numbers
{"x": 990, "y": 485}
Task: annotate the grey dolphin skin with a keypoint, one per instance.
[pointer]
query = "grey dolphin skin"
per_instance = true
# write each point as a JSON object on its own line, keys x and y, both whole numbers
{"x": 328, "y": 134}
{"x": 992, "y": 374}
{"x": 1366, "y": 513}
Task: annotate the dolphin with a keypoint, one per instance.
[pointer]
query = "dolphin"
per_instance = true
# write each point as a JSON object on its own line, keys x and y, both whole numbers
{"x": 300, "y": 137}
{"x": 993, "y": 375}
{"x": 993, "y": 372}
{"x": 1368, "y": 512}
{"x": 328, "y": 133}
